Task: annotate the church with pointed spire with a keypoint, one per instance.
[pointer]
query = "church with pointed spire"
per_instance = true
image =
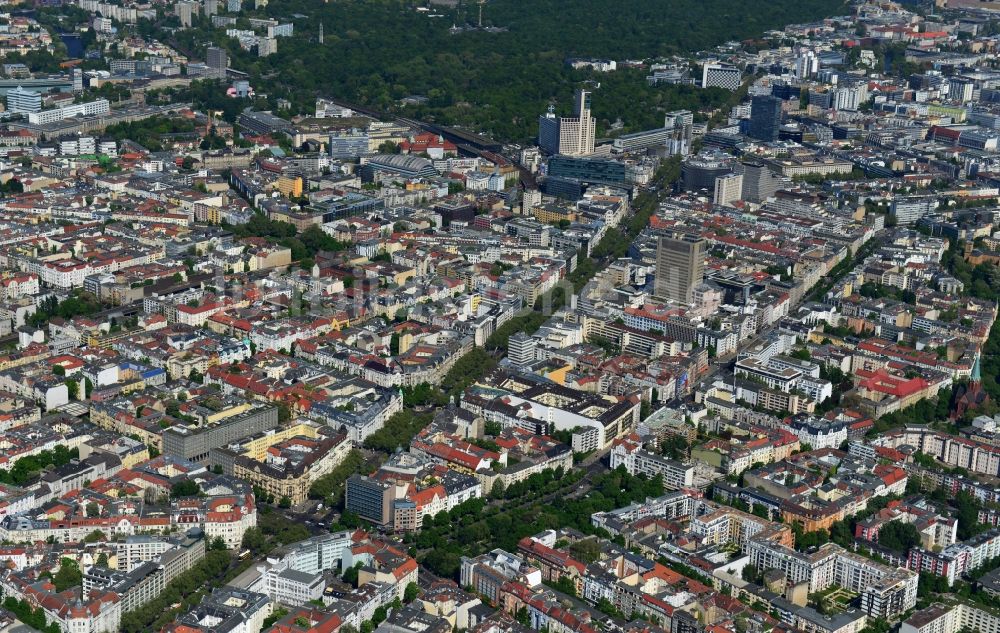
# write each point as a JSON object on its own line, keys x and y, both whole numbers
{"x": 971, "y": 396}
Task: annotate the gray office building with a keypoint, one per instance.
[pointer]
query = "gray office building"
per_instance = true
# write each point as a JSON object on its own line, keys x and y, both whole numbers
{"x": 911, "y": 209}
{"x": 369, "y": 498}
{"x": 570, "y": 176}
{"x": 639, "y": 141}
{"x": 195, "y": 443}
{"x": 217, "y": 60}
{"x": 759, "y": 182}
{"x": 680, "y": 266}
{"x": 348, "y": 143}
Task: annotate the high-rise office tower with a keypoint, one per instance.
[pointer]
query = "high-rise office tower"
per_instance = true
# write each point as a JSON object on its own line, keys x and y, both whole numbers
{"x": 217, "y": 60}
{"x": 728, "y": 189}
{"x": 548, "y": 131}
{"x": 680, "y": 266}
{"x": 570, "y": 136}
{"x": 521, "y": 349}
{"x": 765, "y": 118}
{"x": 578, "y": 132}
{"x": 370, "y": 498}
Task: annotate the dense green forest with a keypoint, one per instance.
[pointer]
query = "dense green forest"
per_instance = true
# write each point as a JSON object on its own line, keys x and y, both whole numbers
{"x": 375, "y": 52}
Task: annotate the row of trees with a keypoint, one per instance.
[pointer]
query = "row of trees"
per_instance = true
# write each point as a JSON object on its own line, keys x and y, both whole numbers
{"x": 474, "y": 529}
{"x": 878, "y": 291}
{"x": 398, "y": 431}
{"x": 536, "y": 484}
{"x": 841, "y": 269}
{"x": 423, "y": 395}
{"x": 527, "y": 322}
{"x": 330, "y": 487}
{"x": 33, "y": 617}
{"x": 467, "y": 370}
{"x": 186, "y": 591}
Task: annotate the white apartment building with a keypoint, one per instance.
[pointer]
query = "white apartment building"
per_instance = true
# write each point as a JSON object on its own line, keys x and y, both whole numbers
{"x": 228, "y": 528}
{"x": 19, "y": 285}
{"x": 676, "y": 475}
{"x": 951, "y": 618}
{"x": 784, "y": 379}
{"x": 885, "y": 591}
{"x": 292, "y": 587}
{"x": 318, "y": 553}
{"x": 90, "y": 108}
{"x": 819, "y": 433}
{"x": 669, "y": 506}
{"x": 728, "y": 189}
{"x": 139, "y": 548}
{"x": 850, "y": 97}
